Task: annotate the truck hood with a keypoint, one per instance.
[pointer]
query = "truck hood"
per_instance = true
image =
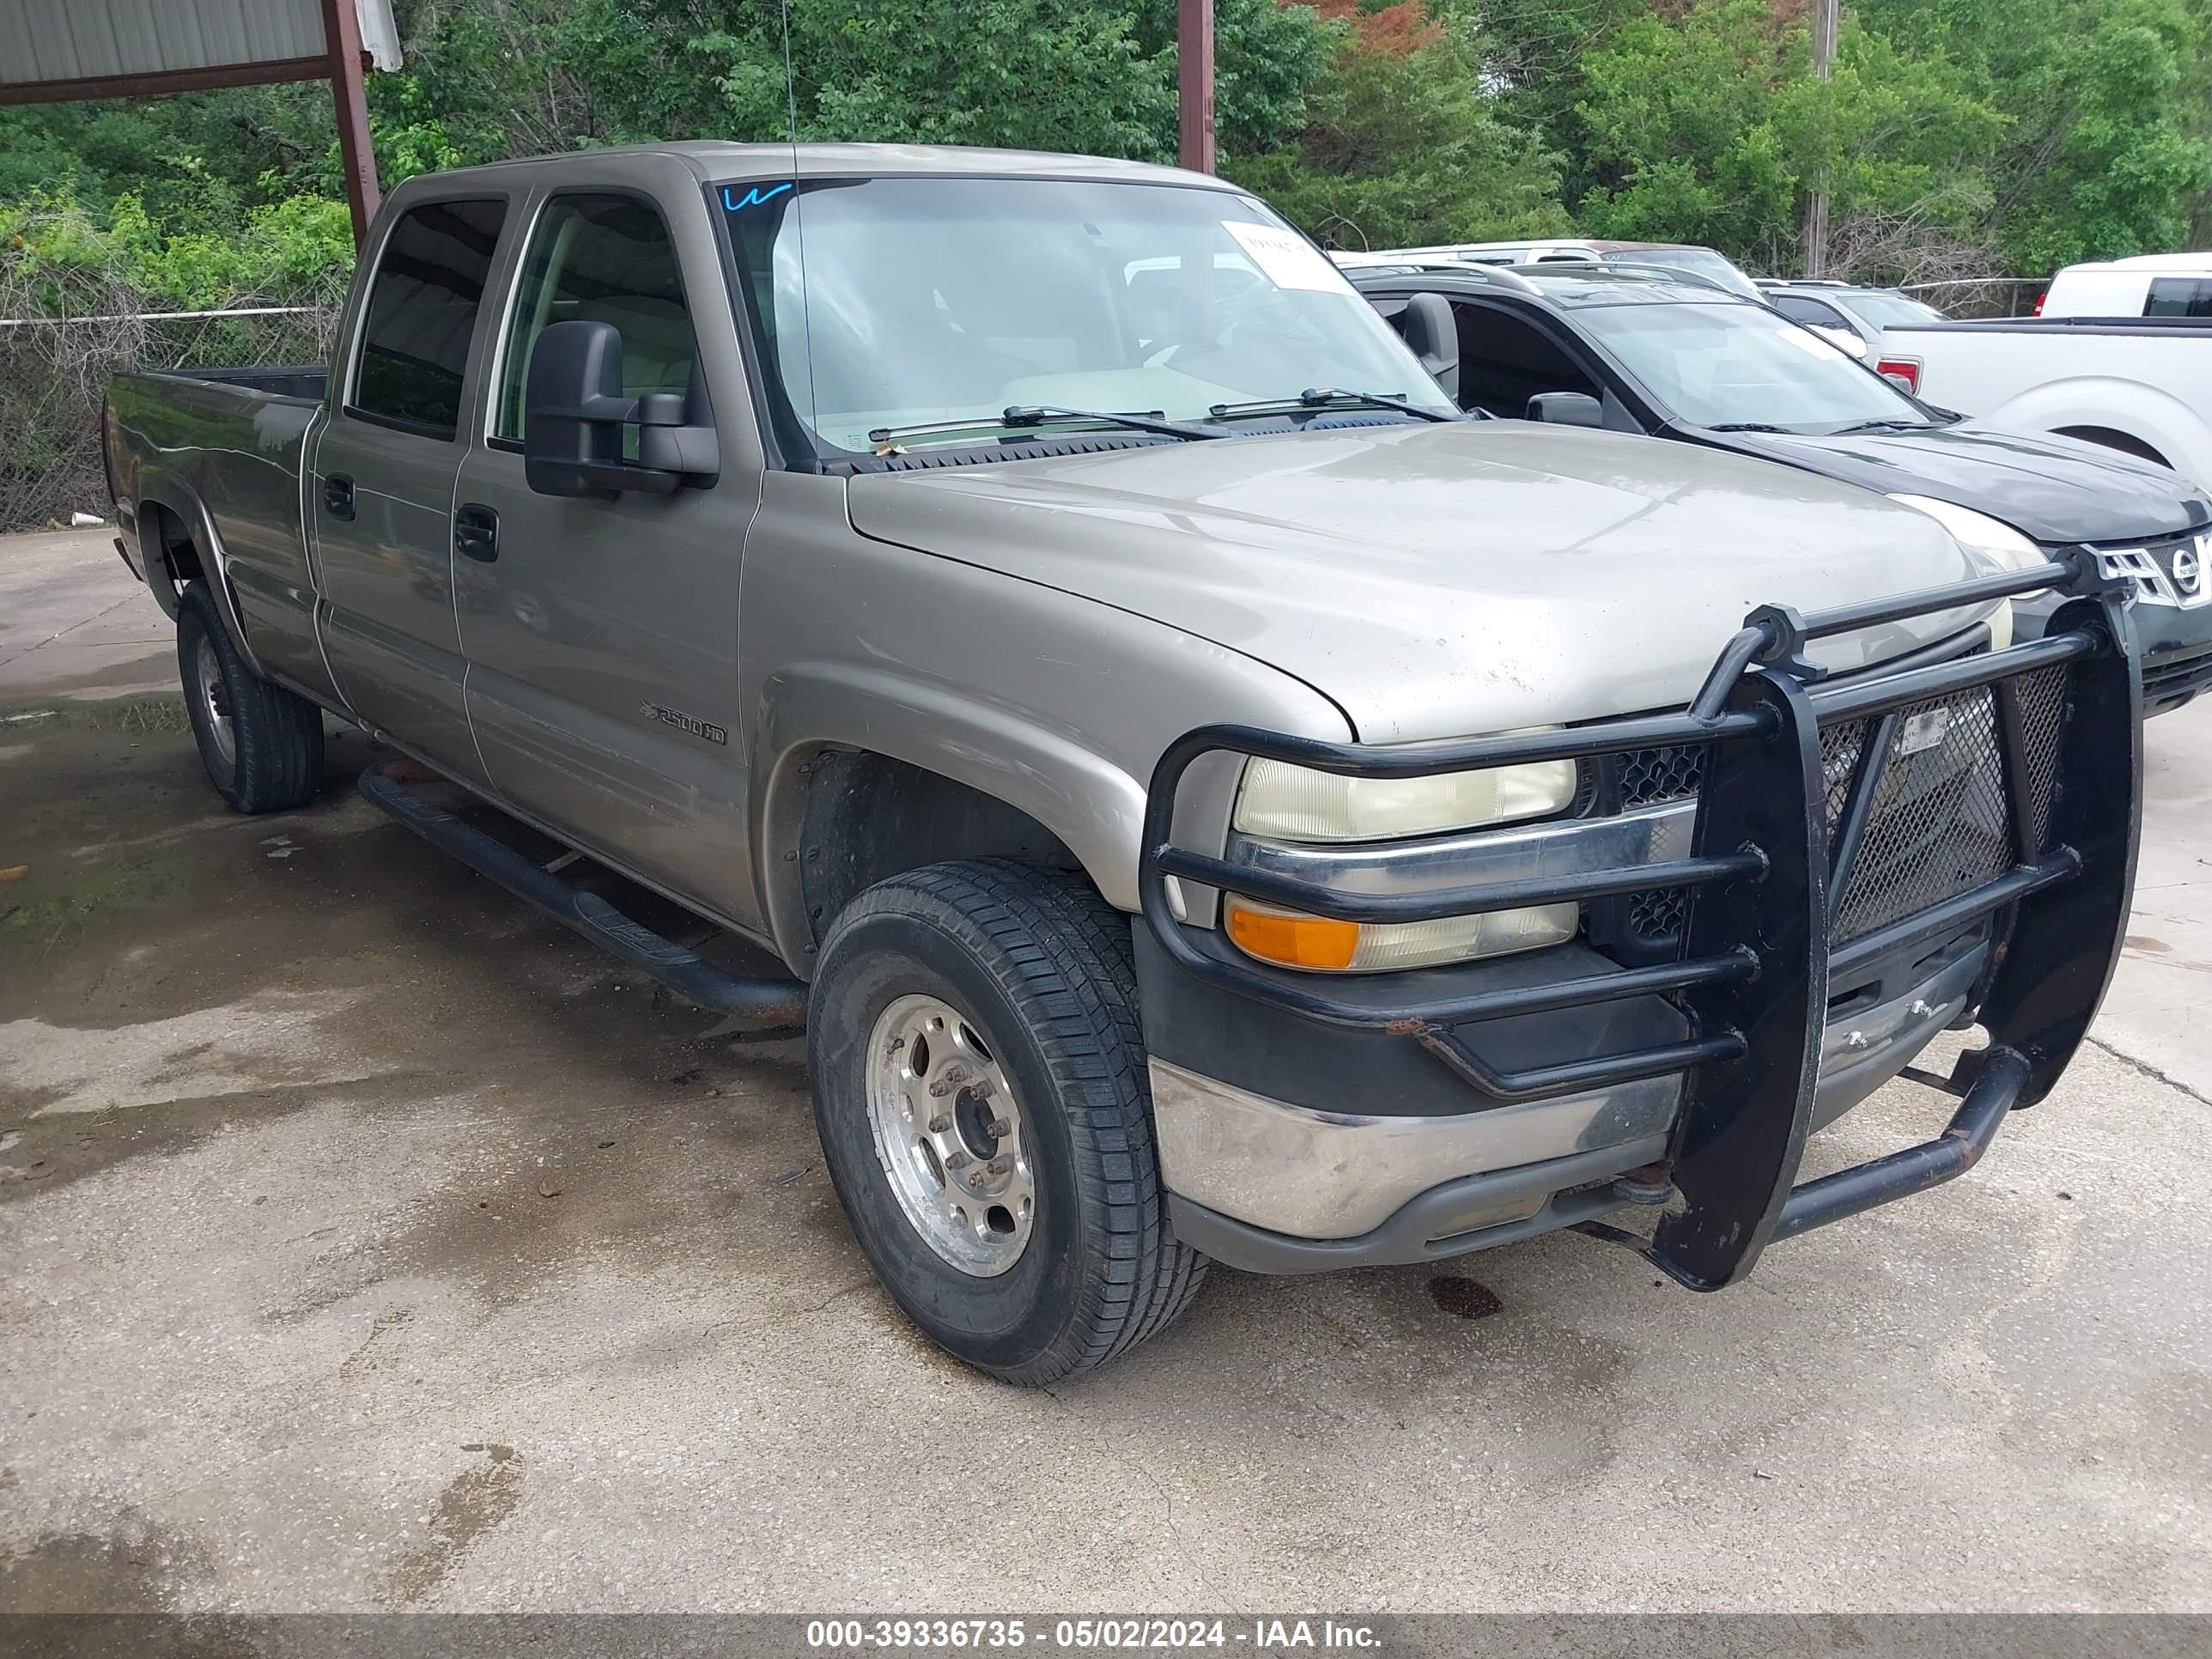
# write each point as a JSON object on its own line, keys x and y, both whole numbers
{"x": 2051, "y": 489}
{"x": 1439, "y": 580}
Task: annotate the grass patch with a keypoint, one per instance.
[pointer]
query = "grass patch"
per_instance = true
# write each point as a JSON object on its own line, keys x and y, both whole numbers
{"x": 162, "y": 716}
{"x": 129, "y": 886}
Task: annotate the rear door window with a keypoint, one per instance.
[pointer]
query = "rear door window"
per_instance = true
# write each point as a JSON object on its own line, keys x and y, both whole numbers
{"x": 422, "y": 315}
{"x": 2179, "y": 296}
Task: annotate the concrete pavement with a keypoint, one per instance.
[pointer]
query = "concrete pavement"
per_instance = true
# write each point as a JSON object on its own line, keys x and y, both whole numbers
{"x": 370, "y": 1243}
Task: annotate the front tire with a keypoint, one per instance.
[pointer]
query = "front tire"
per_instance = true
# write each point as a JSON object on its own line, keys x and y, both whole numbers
{"x": 980, "y": 1090}
{"x": 261, "y": 745}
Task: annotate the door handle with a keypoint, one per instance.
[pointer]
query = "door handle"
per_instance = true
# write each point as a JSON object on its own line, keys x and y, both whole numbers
{"x": 475, "y": 532}
{"x": 338, "y": 496}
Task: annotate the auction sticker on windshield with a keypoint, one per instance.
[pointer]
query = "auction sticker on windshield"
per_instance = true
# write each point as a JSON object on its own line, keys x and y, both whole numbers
{"x": 1287, "y": 258}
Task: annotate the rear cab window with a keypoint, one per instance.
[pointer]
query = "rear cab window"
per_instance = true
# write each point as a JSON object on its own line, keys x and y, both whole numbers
{"x": 420, "y": 316}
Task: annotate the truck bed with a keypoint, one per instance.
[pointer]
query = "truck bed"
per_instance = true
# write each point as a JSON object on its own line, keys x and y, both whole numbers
{"x": 226, "y": 449}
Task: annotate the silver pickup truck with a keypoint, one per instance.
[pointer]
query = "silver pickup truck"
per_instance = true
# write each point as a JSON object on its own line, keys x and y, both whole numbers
{"x": 1214, "y": 800}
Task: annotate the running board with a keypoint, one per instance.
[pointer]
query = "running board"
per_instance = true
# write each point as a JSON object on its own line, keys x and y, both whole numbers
{"x": 753, "y": 1004}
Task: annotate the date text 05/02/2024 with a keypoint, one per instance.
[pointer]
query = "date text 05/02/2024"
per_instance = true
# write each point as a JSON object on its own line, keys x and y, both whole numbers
{"x": 1088, "y": 1635}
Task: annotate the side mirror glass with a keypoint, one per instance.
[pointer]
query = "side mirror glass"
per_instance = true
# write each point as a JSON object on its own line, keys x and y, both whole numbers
{"x": 1566, "y": 408}
{"x": 572, "y": 441}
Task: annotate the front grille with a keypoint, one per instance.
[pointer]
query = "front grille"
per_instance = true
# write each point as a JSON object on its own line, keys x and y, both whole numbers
{"x": 1655, "y": 920}
{"x": 1652, "y": 775}
{"x": 1939, "y": 824}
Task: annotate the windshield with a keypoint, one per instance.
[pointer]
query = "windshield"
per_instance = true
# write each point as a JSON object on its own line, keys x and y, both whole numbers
{"x": 901, "y": 301}
{"x": 1703, "y": 261}
{"x": 1733, "y": 365}
{"x": 1885, "y": 310}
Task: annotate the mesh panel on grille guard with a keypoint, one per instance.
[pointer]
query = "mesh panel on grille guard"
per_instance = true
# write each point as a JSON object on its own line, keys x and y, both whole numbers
{"x": 1938, "y": 827}
{"x": 1938, "y": 824}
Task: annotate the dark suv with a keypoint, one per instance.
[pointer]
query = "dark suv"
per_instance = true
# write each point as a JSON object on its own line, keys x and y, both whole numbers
{"x": 1638, "y": 352}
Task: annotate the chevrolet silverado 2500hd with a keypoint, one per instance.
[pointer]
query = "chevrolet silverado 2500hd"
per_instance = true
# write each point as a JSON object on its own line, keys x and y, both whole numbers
{"x": 1214, "y": 799}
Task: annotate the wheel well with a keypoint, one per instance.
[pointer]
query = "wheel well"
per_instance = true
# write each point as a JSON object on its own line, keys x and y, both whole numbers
{"x": 2126, "y": 443}
{"x": 869, "y": 816}
{"x": 162, "y": 535}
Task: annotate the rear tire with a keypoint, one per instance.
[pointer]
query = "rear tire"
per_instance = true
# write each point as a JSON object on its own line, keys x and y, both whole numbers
{"x": 261, "y": 745}
{"x": 1003, "y": 1185}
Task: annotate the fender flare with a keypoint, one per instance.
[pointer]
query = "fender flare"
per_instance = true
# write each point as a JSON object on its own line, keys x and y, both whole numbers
{"x": 1089, "y": 800}
{"x": 2151, "y": 416}
{"x": 176, "y": 496}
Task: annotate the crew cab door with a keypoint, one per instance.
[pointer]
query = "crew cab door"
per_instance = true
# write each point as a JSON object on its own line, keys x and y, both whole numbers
{"x": 602, "y": 632}
{"x": 380, "y": 483}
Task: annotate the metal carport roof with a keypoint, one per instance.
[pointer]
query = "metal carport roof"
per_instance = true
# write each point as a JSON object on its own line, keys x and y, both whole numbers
{"x": 60, "y": 51}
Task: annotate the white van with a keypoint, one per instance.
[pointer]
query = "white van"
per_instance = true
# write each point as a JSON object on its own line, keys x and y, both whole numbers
{"x": 2149, "y": 285}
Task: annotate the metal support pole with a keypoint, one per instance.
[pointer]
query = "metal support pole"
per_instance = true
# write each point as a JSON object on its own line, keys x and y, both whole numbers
{"x": 1816, "y": 210}
{"x": 1195, "y": 81}
{"x": 357, "y": 157}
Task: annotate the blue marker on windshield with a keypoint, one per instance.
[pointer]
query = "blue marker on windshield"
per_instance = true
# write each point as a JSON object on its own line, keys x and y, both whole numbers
{"x": 752, "y": 197}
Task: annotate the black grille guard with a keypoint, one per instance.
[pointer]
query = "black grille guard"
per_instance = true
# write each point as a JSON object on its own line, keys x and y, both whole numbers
{"x": 1752, "y": 976}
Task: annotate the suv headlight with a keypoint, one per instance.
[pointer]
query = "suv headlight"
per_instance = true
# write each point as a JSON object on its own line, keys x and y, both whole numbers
{"x": 1295, "y": 803}
{"x": 1977, "y": 530}
{"x": 1994, "y": 539}
{"x": 1284, "y": 802}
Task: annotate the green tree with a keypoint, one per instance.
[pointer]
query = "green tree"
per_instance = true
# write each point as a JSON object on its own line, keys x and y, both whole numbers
{"x": 2108, "y": 106}
{"x": 1400, "y": 146}
{"x": 1713, "y": 128}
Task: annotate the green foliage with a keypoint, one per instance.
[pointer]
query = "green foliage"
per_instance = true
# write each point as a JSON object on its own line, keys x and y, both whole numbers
{"x": 53, "y": 250}
{"x": 2021, "y": 133}
{"x": 1714, "y": 129}
{"x": 2108, "y": 109}
{"x": 1399, "y": 148}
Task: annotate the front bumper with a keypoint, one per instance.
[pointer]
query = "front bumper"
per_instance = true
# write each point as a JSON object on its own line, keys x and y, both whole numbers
{"x": 1275, "y": 1185}
{"x": 2172, "y": 614}
{"x": 1310, "y": 1122}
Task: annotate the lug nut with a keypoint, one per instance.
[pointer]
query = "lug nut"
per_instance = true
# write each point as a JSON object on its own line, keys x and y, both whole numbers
{"x": 939, "y": 1124}
{"x": 1000, "y": 1166}
{"x": 958, "y": 1161}
{"x": 1001, "y": 1128}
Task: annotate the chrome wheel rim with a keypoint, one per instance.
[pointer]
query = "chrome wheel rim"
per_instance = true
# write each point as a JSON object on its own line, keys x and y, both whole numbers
{"x": 214, "y": 699}
{"x": 951, "y": 1137}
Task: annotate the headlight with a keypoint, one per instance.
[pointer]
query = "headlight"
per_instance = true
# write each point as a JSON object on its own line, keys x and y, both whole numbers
{"x": 1294, "y": 803}
{"x": 1977, "y": 530}
{"x": 1994, "y": 539}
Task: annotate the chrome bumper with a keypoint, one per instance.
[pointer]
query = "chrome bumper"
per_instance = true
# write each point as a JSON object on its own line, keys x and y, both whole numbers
{"x": 1337, "y": 1175}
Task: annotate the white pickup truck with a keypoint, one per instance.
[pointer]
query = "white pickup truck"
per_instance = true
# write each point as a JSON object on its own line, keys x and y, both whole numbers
{"x": 2139, "y": 382}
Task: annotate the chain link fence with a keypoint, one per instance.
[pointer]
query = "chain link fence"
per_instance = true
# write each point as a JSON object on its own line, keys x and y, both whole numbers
{"x": 63, "y": 335}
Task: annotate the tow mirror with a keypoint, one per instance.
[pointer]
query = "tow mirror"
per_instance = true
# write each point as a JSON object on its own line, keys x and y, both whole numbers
{"x": 1566, "y": 408}
{"x": 572, "y": 441}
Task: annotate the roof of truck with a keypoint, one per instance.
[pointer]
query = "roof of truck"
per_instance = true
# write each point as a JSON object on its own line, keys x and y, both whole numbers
{"x": 716, "y": 160}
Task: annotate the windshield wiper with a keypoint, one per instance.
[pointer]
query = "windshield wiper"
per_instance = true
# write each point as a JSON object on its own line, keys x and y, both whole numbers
{"x": 1313, "y": 398}
{"x": 1748, "y": 426}
{"x": 1018, "y": 417}
{"x": 1893, "y": 424}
